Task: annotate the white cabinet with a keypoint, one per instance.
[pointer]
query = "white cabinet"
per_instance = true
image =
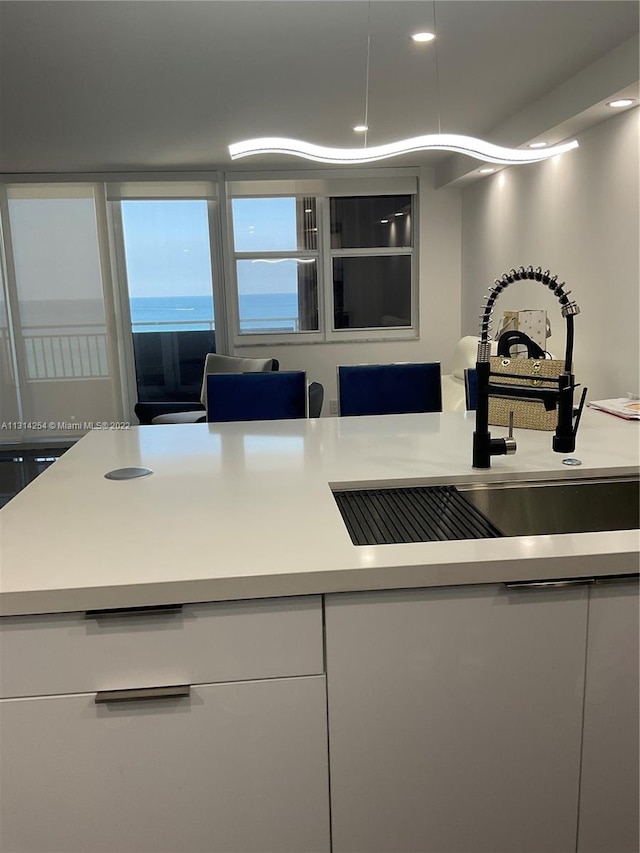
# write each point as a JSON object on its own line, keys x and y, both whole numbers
{"x": 231, "y": 769}
{"x": 144, "y": 647}
{"x": 609, "y": 790}
{"x": 237, "y": 766}
{"x": 455, "y": 719}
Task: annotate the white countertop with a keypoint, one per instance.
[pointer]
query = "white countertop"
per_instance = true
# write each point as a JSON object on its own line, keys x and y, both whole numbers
{"x": 246, "y": 511}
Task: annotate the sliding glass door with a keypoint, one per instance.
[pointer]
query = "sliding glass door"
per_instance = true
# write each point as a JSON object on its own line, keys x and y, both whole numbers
{"x": 165, "y": 263}
{"x": 9, "y": 406}
{"x": 58, "y": 349}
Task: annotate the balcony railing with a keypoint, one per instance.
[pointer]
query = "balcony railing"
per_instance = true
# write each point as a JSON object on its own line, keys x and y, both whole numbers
{"x": 169, "y": 355}
{"x": 270, "y": 324}
{"x": 247, "y": 325}
{"x": 77, "y": 352}
{"x": 173, "y": 326}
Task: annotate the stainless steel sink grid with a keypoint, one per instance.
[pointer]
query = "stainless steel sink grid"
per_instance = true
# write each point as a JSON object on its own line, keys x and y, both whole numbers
{"x": 395, "y": 515}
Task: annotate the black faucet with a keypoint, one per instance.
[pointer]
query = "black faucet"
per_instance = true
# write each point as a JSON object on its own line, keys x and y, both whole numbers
{"x": 564, "y": 440}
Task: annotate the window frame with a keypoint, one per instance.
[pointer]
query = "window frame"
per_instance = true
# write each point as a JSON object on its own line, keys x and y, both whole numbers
{"x": 241, "y": 339}
{"x": 326, "y": 332}
{"x": 373, "y": 333}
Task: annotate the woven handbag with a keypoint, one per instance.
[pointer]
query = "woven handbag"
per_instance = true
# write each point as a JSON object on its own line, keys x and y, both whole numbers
{"x": 527, "y": 414}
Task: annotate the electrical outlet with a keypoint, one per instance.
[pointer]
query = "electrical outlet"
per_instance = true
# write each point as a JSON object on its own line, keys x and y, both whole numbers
{"x": 333, "y": 407}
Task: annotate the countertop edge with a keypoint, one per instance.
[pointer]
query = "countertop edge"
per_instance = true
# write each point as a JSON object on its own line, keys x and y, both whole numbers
{"x": 40, "y": 602}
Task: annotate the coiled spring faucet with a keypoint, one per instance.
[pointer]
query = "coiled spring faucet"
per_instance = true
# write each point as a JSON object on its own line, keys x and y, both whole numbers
{"x": 564, "y": 440}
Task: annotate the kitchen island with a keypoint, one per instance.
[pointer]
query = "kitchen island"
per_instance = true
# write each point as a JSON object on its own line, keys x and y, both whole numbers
{"x": 237, "y": 511}
{"x": 452, "y": 706}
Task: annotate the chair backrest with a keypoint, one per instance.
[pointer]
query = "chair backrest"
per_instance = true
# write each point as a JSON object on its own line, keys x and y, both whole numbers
{"x": 470, "y": 389}
{"x": 464, "y": 355}
{"x": 256, "y": 396}
{"x": 217, "y": 363}
{"x": 388, "y": 389}
{"x": 316, "y": 398}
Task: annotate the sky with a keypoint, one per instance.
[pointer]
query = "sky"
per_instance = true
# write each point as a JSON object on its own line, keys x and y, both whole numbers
{"x": 167, "y": 252}
{"x": 167, "y": 246}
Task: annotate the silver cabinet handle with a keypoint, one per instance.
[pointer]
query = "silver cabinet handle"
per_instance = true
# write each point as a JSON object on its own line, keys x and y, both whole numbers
{"x": 154, "y": 610}
{"x": 618, "y": 578}
{"x": 564, "y": 582}
{"x": 179, "y": 691}
{"x": 550, "y": 584}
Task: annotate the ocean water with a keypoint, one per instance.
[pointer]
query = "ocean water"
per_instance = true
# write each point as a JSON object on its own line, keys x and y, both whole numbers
{"x": 258, "y": 312}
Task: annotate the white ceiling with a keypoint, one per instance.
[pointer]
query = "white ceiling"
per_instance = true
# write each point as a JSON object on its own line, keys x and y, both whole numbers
{"x": 89, "y": 85}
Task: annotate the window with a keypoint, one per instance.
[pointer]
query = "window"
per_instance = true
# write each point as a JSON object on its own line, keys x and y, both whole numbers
{"x": 168, "y": 266}
{"x": 112, "y": 293}
{"x": 371, "y": 262}
{"x": 372, "y": 291}
{"x": 168, "y": 259}
{"x": 166, "y": 271}
{"x": 334, "y": 267}
{"x": 276, "y": 251}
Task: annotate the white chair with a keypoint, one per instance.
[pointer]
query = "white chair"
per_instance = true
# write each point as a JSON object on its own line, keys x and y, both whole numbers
{"x": 216, "y": 363}
{"x": 464, "y": 356}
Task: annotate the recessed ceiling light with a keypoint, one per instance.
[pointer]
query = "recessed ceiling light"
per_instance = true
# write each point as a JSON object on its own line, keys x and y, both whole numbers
{"x": 308, "y": 210}
{"x": 537, "y": 145}
{"x": 621, "y": 102}
{"x": 361, "y": 128}
{"x": 398, "y": 214}
{"x": 487, "y": 171}
{"x": 422, "y": 37}
{"x": 384, "y": 221}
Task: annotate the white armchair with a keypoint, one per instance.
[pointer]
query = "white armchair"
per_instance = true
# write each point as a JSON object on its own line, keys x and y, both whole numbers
{"x": 464, "y": 356}
{"x": 172, "y": 413}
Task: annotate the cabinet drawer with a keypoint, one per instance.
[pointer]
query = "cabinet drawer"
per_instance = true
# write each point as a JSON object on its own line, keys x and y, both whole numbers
{"x": 233, "y": 767}
{"x": 195, "y": 644}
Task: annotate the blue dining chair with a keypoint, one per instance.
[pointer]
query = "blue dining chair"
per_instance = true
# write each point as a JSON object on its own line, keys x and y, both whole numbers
{"x": 470, "y": 389}
{"x": 256, "y": 396}
{"x": 389, "y": 389}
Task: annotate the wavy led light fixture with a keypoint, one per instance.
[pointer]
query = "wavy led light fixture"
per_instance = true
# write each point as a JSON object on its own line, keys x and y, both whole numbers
{"x": 456, "y": 143}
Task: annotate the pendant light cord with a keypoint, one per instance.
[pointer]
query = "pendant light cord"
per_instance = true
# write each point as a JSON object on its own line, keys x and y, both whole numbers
{"x": 366, "y": 87}
{"x": 452, "y": 142}
{"x": 437, "y": 69}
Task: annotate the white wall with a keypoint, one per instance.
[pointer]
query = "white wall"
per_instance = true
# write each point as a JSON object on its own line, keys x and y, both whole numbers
{"x": 576, "y": 215}
{"x": 439, "y": 303}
